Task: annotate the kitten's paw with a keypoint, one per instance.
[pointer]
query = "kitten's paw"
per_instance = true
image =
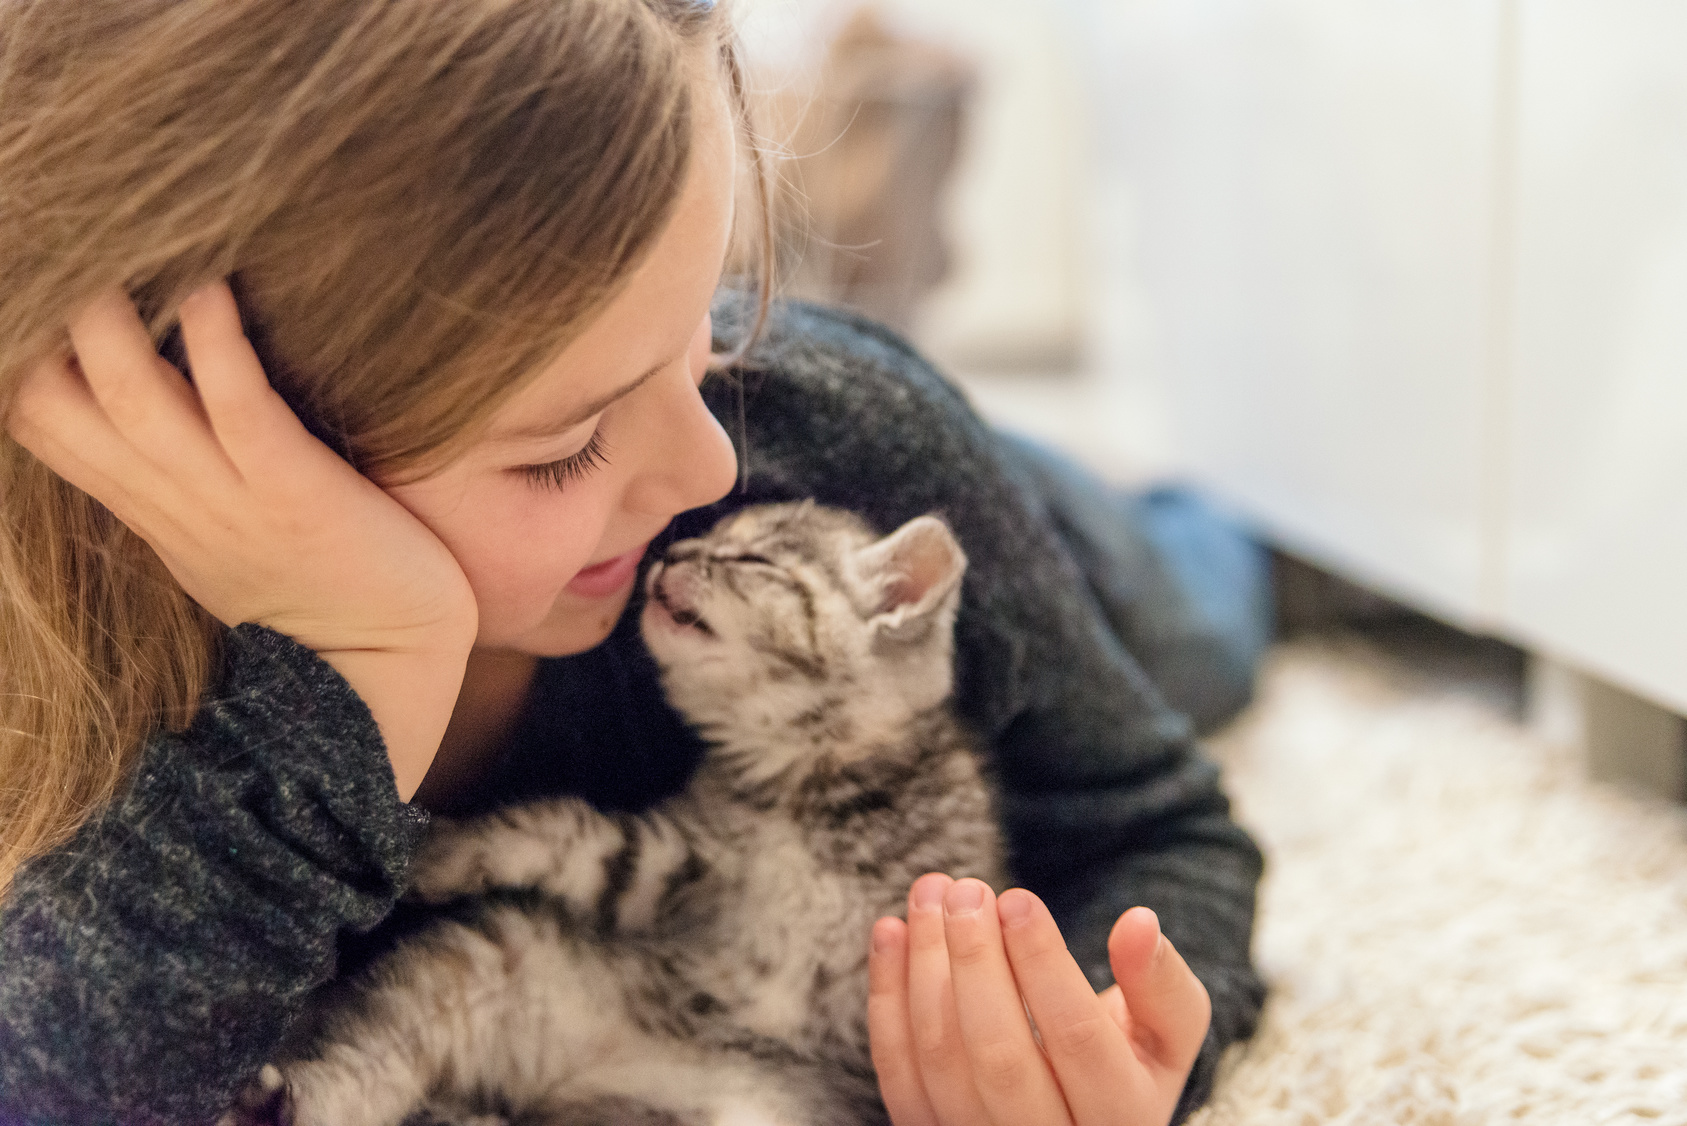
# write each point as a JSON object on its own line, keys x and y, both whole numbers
{"x": 430, "y": 1117}
{"x": 448, "y": 866}
{"x": 264, "y": 1101}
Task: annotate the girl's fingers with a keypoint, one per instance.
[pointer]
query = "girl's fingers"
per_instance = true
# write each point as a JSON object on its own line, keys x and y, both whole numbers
{"x": 51, "y": 397}
{"x": 1097, "y": 1071}
{"x": 135, "y": 386}
{"x": 111, "y": 343}
{"x": 1169, "y": 1007}
{"x": 938, "y": 1048}
{"x": 244, "y": 410}
{"x": 1007, "y": 1066}
{"x": 147, "y": 400}
{"x": 888, "y": 1028}
{"x": 55, "y": 417}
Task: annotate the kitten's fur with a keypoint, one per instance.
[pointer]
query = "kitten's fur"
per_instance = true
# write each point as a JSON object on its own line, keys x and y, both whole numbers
{"x": 704, "y": 962}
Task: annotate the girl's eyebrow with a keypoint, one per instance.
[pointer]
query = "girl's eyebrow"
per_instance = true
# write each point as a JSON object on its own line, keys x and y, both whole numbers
{"x": 596, "y": 406}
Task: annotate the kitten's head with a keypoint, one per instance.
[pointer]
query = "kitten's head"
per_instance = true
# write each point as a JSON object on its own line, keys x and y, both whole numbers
{"x": 794, "y": 626}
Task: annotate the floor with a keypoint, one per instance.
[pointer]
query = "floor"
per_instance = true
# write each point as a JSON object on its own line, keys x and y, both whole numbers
{"x": 1458, "y": 927}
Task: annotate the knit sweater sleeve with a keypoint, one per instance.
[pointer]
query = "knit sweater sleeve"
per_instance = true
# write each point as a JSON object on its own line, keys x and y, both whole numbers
{"x": 1107, "y": 799}
{"x": 151, "y": 964}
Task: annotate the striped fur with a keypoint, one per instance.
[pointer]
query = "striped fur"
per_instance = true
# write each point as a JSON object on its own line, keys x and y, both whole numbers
{"x": 703, "y": 964}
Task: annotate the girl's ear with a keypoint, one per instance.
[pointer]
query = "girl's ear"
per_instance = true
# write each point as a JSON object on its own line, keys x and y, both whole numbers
{"x": 916, "y": 573}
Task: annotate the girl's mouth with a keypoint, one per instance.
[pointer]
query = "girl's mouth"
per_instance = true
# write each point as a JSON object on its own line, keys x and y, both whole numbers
{"x": 612, "y": 576}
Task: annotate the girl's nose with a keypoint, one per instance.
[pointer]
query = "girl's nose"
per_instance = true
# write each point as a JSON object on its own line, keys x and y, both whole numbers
{"x": 690, "y": 461}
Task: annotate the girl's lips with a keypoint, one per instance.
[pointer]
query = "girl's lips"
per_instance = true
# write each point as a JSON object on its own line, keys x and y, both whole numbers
{"x": 601, "y": 580}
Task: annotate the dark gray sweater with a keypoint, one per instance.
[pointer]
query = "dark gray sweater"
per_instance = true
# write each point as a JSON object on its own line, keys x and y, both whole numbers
{"x": 151, "y": 965}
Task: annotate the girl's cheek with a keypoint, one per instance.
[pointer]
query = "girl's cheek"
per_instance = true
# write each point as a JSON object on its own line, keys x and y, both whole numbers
{"x": 565, "y": 537}
{"x": 523, "y": 539}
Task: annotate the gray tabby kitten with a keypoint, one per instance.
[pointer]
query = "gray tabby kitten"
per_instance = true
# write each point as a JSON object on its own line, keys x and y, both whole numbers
{"x": 705, "y": 962}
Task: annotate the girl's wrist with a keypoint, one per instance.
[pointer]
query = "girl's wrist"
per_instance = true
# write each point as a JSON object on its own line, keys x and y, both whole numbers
{"x": 411, "y": 695}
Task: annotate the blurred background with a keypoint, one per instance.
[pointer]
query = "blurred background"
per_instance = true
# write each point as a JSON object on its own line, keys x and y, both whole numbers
{"x": 1403, "y": 285}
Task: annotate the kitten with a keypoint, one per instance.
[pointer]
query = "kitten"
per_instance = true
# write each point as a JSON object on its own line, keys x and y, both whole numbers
{"x": 705, "y": 962}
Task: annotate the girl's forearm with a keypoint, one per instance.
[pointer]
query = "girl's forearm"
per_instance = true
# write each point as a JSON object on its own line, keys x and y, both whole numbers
{"x": 150, "y": 966}
{"x": 411, "y": 695}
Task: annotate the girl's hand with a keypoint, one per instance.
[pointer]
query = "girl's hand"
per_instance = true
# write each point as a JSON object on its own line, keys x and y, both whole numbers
{"x": 256, "y": 519}
{"x": 949, "y": 992}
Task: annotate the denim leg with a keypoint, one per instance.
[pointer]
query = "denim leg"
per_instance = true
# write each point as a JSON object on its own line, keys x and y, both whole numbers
{"x": 1186, "y": 588}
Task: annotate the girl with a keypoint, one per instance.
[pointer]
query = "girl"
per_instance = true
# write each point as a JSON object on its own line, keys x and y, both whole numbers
{"x": 361, "y": 552}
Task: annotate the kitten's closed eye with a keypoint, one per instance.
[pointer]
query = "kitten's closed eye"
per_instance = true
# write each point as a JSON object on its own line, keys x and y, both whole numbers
{"x": 693, "y": 620}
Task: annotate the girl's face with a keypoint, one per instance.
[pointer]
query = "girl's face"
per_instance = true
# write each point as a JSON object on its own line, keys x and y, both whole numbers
{"x": 549, "y": 515}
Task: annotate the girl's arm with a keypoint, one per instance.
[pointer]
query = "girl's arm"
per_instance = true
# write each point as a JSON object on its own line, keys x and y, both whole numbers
{"x": 151, "y": 965}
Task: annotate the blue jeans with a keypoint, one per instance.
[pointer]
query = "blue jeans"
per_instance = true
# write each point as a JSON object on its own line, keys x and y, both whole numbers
{"x": 1186, "y": 588}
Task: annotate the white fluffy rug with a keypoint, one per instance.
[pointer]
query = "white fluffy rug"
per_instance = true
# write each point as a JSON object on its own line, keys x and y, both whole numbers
{"x": 1457, "y": 928}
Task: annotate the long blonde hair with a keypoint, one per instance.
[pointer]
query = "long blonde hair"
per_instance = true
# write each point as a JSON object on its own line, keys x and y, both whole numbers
{"x": 419, "y": 201}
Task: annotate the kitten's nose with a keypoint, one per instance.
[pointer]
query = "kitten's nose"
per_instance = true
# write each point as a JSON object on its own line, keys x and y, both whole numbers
{"x": 675, "y": 589}
{"x": 674, "y": 585}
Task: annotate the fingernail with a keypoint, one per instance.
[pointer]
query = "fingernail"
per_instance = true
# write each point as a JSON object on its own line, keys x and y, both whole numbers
{"x": 1159, "y": 940}
{"x": 964, "y": 898}
{"x": 928, "y": 892}
{"x": 1014, "y": 907}
{"x": 882, "y": 940}
{"x": 1157, "y": 931}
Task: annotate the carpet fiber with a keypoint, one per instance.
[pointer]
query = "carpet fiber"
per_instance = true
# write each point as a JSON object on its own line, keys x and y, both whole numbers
{"x": 1457, "y": 928}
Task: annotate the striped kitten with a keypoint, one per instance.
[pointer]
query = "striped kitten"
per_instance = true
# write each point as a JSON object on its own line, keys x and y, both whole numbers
{"x": 704, "y": 962}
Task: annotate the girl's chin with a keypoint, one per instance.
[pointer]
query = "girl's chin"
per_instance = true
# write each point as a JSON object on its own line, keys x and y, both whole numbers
{"x": 576, "y": 625}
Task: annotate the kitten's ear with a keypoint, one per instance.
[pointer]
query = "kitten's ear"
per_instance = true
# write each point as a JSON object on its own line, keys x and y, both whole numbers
{"x": 916, "y": 571}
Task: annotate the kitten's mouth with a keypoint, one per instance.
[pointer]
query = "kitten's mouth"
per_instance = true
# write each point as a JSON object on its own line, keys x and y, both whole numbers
{"x": 683, "y": 614}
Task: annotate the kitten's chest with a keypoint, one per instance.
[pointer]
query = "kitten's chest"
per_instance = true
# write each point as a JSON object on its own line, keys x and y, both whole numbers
{"x": 797, "y": 934}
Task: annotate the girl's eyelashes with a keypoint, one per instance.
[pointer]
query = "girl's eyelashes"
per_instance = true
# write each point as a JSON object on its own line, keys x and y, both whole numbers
{"x": 558, "y": 474}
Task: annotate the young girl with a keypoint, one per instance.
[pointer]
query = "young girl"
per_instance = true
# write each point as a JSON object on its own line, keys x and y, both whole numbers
{"x": 443, "y": 271}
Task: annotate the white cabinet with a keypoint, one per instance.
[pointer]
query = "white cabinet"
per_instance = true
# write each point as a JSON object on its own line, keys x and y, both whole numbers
{"x": 1419, "y": 277}
{"x": 1596, "y": 525}
{"x": 1315, "y": 189}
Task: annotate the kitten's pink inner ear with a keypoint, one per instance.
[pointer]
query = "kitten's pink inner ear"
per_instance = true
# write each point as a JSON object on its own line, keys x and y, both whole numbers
{"x": 918, "y": 560}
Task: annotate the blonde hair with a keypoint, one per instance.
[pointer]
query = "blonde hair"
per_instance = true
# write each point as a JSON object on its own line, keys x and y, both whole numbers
{"x": 420, "y": 202}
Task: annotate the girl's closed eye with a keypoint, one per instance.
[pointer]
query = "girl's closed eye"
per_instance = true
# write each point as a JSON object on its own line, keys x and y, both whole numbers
{"x": 557, "y": 474}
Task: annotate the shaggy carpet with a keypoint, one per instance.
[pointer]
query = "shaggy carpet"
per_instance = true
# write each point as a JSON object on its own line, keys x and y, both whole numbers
{"x": 1458, "y": 928}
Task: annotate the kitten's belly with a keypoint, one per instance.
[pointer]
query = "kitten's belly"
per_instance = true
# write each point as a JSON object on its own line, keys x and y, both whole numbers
{"x": 795, "y": 964}
{"x": 523, "y": 1007}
